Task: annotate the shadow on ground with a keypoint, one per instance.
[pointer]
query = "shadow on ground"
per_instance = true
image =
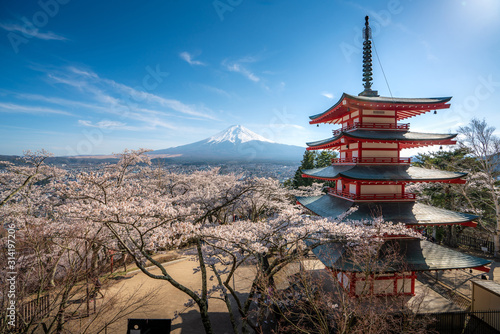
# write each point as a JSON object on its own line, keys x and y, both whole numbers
{"x": 190, "y": 322}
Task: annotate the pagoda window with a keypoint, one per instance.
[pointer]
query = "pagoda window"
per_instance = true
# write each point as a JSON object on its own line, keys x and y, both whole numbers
{"x": 343, "y": 279}
{"x": 363, "y": 287}
{"x": 380, "y": 145}
{"x": 352, "y": 188}
{"x": 383, "y": 284}
{"x": 405, "y": 284}
{"x": 381, "y": 189}
{"x": 355, "y": 113}
{"x": 380, "y": 153}
{"x": 339, "y": 185}
{"x": 355, "y": 154}
{"x": 388, "y": 120}
{"x": 379, "y": 116}
{"x": 380, "y": 112}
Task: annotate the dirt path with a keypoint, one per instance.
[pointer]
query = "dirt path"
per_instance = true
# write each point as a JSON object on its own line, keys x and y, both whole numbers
{"x": 166, "y": 299}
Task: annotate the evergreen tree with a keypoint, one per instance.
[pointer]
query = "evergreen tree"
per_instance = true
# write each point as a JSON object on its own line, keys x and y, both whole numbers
{"x": 310, "y": 160}
{"x": 454, "y": 197}
{"x": 324, "y": 159}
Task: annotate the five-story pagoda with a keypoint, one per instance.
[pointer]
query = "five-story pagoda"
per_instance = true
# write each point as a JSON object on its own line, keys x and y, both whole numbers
{"x": 371, "y": 174}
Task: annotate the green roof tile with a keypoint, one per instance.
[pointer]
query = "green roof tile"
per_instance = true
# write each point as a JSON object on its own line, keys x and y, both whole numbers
{"x": 382, "y": 172}
{"x": 385, "y": 99}
{"x": 415, "y": 255}
{"x": 386, "y": 135}
{"x": 410, "y": 213}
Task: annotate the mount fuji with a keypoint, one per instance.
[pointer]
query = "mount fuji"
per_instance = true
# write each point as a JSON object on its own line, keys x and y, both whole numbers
{"x": 235, "y": 144}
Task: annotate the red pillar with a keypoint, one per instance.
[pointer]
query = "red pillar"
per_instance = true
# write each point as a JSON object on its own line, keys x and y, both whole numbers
{"x": 352, "y": 284}
{"x": 413, "y": 276}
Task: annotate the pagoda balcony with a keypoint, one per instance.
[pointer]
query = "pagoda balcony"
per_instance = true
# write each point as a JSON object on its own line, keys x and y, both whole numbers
{"x": 373, "y": 126}
{"x": 370, "y": 160}
{"x": 372, "y": 197}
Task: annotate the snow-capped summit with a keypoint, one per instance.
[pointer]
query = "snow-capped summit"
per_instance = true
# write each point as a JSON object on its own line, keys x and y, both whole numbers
{"x": 237, "y": 134}
{"x": 235, "y": 143}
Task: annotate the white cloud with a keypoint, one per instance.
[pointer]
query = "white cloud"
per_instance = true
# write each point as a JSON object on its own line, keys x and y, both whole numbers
{"x": 328, "y": 95}
{"x": 32, "y": 32}
{"x": 83, "y": 72}
{"x": 57, "y": 100}
{"x": 105, "y": 124}
{"x": 238, "y": 68}
{"x": 66, "y": 81}
{"x": 216, "y": 90}
{"x": 189, "y": 59}
{"x": 129, "y": 99}
{"x": 145, "y": 97}
{"x": 17, "y": 108}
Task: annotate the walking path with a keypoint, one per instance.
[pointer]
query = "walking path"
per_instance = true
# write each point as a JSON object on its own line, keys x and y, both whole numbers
{"x": 165, "y": 300}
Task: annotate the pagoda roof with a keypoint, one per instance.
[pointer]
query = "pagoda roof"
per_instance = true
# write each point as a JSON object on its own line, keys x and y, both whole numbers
{"x": 415, "y": 255}
{"x": 405, "y": 107}
{"x": 382, "y": 173}
{"x": 407, "y": 138}
{"x": 409, "y": 213}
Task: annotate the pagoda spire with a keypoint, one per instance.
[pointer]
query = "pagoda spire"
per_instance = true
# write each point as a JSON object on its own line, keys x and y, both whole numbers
{"x": 367, "y": 61}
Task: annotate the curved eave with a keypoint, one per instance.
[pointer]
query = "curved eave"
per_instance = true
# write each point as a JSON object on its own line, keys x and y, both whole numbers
{"x": 404, "y": 107}
{"x": 384, "y": 173}
{"x": 405, "y": 139}
{"x": 415, "y": 255}
{"x": 409, "y": 213}
{"x": 339, "y": 109}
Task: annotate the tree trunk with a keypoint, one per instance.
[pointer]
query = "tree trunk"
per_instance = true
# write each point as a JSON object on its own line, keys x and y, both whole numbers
{"x": 203, "y": 303}
{"x": 496, "y": 242}
{"x": 451, "y": 237}
{"x": 205, "y": 319}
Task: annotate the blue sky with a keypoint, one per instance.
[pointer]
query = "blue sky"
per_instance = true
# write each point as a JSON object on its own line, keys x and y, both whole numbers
{"x": 96, "y": 77}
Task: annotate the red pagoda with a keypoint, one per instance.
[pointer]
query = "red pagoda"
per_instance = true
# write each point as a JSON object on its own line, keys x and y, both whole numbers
{"x": 371, "y": 174}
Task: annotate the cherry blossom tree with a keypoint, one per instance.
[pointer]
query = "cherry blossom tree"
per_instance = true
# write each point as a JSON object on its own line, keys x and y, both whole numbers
{"x": 52, "y": 254}
{"x": 30, "y": 170}
{"x": 479, "y": 138}
{"x": 67, "y": 223}
{"x": 148, "y": 210}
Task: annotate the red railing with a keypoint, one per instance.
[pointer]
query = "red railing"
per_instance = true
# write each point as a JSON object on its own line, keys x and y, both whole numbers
{"x": 371, "y": 160}
{"x": 379, "y": 126}
{"x": 372, "y": 197}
